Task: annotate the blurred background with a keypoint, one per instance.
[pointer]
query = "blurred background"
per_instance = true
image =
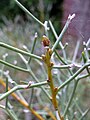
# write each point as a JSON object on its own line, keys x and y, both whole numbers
{"x": 55, "y": 10}
{"x": 18, "y": 29}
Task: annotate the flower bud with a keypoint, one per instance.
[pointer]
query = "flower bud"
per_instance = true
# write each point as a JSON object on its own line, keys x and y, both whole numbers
{"x": 45, "y": 41}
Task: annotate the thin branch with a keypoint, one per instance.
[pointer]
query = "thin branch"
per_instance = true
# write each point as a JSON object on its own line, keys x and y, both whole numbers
{"x": 84, "y": 114}
{"x": 75, "y": 75}
{"x": 28, "y": 12}
{"x": 19, "y": 87}
{"x": 63, "y": 31}
{"x": 6, "y": 91}
{"x": 32, "y": 50}
{"x": 24, "y": 103}
{"x": 19, "y": 51}
{"x": 63, "y": 66}
{"x": 70, "y": 98}
{"x": 13, "y": 66}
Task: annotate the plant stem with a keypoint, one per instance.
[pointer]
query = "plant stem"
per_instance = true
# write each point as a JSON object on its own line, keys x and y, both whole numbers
{"x": 56, "y": 36}
{"x": 6, "y": 91}
{"x": 13, "y": 66}
{"x": 73, "y": 92}
{"x": 84, "y": 114}
{"x": 71, "y": 97}
{"x": 35, "y": 78}
{"x": 32, "y": 50}
{"x": 62, "y": 32}
{"x": 72, "y": 77}
{"x": 50, "y": 80}
{"x": 53, "y": 30}
{"x": 62, "y": 66}
{"x": 63, "y": 61}
{"x": 11, "y": 114}
{"x": 20, "y": 100}
{"x": 19, "y": 51}
{"x": 29, "y": 13}
{"x": 19, "y": 87}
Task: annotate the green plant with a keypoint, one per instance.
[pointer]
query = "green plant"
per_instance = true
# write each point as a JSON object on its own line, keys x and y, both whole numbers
{"x": 56, "y": 87}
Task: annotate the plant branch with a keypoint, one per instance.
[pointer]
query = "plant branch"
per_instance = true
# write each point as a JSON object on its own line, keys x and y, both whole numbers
{"x": 32, "y": 50}
{"x": 84, "y": 114}
{"x": 19, "y": 87}
{"x": 71, "y": 97}
{"x": 13, "y": 66}
{"x": 47, "y": 60}
{"x": 19, "y": 51}
{"x": 24, "y": 103}
{"x": 28, "y": 12}
{"x": 70, "y": 17}
{"x": 75, "y": 75}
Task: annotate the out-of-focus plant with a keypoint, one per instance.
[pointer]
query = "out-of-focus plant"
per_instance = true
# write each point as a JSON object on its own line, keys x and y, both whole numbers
{"x": 39, "y": 7}
{"x": 43, "y": 9}
{"x": 54, "y": 88}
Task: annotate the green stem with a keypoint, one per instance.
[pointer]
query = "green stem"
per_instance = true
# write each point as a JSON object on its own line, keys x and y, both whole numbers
{"x": 70, "y": 98}
{"x": 53, "y": 30}
{"x": 83, "y": 76}
{"x": 6, "y": 91}
{"x": 78, "y": 107}
{"x": 35, "y": 78}
{"x": 56, "y": 36}
{"x": 19, "y": 93}
{"x": 73, "y": 92}
{"x": 19, "y": 51}
{"x": 72, "y": 77}
{"x": 62, "y": 33}
{"x": 4, "y": 108}
{"x": 62, "y": 66}
{"x": 13, "y": 66}
{"x": 9, "y": 112}
{"x": 63, "y": 61}
{"x": 19, "y": 87}
{"x": 29, "y": 13}
{"x": 32, "y": 50}
{"x": 84, "y": 114}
